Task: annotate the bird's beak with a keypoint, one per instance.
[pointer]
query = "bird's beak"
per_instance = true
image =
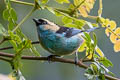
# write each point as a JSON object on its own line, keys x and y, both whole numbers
{"x": 36, "y": 21}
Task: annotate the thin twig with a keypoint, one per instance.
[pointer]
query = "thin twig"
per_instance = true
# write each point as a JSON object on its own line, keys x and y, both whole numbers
{"x": 22, "y": 2}
{"x": 5, "y": 59}
{"x": 70, "y": 61}
{"x": 3, "y": 40}
{"x": 5, "y": 48}
{"x": 10, "y": 47}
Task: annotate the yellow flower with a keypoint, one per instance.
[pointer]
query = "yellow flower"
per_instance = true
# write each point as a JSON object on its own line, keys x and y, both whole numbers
{"x": 117, "y": 46}
{"x": 110, "y": 26}
{"x": 115, "y": 37}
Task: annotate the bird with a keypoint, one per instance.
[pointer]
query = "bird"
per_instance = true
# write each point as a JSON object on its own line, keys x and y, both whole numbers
{"x": 59, "y": 40}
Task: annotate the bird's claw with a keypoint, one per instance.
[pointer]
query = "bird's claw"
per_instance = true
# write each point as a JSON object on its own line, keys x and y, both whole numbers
{"x": 50, "y": 57}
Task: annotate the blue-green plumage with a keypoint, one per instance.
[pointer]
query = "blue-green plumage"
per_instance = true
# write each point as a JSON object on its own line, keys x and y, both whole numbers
{"x": 59, "y": 40}
{"x": 57, "y": 43}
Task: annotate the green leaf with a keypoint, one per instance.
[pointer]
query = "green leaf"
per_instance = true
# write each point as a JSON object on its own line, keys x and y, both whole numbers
{"x": 95, "y": 24}
{"x": 71, "y": 6}
{"x": 101, "y": 77}
{"x": 88, "y": 38}
{"x": 89, "y": 73}
{"x": 44, "y": 1}
{"x": 6, "y": 14}
{"x": 105, "y": 62}
{"x": 15, "y": 40}
{"x": 62, "y": 1}
{"x": 58, "y": 13}
{"x": 79, "y": 23}
{"x": 12, "y": 41}
{"x": 24, "y": 44}
{"x": 27, "y": 43}
{"x": 13, "y": 14}
{"x": 66, "y": 20}
{"x": 13, "y": 44}
{"x": 82, "y": 47}
{"x": 71, "y": 25}
{"x": 95, "y": 39}
{"x": 96, "y": 56}
{"x": 98, "y": 50}
{"x": 11, "y": 24}
{"x": 110, "y": 73}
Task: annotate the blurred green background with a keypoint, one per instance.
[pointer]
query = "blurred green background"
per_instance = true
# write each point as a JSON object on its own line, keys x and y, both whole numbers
{"x": 36, "y": 70}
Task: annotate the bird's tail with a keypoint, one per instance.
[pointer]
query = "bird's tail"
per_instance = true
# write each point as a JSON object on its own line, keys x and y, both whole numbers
{"x": 91, "y": 29}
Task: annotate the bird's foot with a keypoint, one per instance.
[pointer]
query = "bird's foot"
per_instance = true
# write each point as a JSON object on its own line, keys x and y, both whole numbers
{"x": 76, "y": 60}
{"x": 50, "y": 57}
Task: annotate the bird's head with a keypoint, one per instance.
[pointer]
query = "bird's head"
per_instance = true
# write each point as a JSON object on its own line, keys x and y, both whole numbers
{"x": 42, "y": 22}
{"x": 45, "y": 24}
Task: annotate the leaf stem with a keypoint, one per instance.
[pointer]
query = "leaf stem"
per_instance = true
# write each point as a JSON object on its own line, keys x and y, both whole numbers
{"x": 100, "y": 8}
{"x": 24, "y": 19}
{"x": 90, "y": 17}
{"x": 78, "y": 5}
{"x": 21, "y": 2}
{"x": 10, "y": 47}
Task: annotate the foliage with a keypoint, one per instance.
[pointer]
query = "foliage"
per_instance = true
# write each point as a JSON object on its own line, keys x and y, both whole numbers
{"x": 70, "y": 18}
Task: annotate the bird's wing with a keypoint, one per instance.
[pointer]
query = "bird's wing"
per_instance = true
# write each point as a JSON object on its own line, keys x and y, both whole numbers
{"x": 62, "y": 29}
{"x": 72, "y": 31}
{"x": 69, "y": 32}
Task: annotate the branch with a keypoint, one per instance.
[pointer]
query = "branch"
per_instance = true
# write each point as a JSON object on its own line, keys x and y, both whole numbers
{"x": 62, "y": 60}
{"x": 10, "y": 47}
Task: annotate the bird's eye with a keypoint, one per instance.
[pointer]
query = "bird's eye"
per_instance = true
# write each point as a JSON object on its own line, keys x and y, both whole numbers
{"x": 44, "y": 22}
